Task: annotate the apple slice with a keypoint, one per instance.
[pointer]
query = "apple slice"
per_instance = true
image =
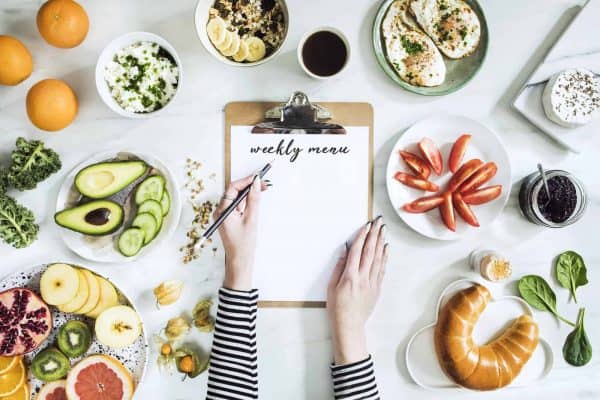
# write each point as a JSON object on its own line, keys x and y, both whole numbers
{"x": 108, "y": 297}
{"x": 80, "y": 298}
{"x": 59, "y": 284}
{"x": 94, "y": 295}
{"x": 118, "y": 326}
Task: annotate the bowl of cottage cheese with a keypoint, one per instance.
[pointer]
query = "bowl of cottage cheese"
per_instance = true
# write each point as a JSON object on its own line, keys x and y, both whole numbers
{"x": 138, "y": 74}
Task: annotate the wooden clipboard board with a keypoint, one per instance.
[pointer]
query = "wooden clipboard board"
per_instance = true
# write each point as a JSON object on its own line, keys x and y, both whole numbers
{"x": 343, "y": 113}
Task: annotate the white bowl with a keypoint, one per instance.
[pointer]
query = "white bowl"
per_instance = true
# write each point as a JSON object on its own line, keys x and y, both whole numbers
{"x": 308, "y": 34}
{"x": 201, "y": 19}
{"x": 104, "y": 248}
{"x": 111, "y": 49}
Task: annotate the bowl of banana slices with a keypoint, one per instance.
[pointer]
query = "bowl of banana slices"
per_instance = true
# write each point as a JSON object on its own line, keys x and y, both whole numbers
{"x": 242, "y": 32}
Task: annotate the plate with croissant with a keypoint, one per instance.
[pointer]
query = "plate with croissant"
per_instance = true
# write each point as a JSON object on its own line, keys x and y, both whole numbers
{"x": 478, "y": 342}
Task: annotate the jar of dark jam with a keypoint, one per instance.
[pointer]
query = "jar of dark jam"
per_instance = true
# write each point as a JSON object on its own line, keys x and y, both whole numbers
{"x": 565, "y": 206}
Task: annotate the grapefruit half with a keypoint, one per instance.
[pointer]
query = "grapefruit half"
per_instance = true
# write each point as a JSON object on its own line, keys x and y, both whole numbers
{"x": 99, "y": 377}
{"x": 53, "y": 391}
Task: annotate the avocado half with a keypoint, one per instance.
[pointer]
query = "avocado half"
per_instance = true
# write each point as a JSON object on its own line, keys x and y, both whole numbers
{"x": 104, "y": 179}
{"x": 96, "y": 218}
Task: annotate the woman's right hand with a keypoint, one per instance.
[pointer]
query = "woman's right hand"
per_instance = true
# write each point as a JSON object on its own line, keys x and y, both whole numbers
{"x": 354, "y": 290}
{"x": 238, "y": 233}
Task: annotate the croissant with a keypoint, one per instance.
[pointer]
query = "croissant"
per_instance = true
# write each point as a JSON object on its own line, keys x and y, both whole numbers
{"x": 481, "y": 367}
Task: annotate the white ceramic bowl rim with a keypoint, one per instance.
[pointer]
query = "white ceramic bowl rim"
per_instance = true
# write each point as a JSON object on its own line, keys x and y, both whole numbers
{"x": 200, "y": 18}
{"x": 119, "y": 43}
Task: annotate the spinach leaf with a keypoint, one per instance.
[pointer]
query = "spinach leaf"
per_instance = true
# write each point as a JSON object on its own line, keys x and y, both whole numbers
{"x": 577, "y": 349}
{"x": 571, "y": 272}
{"x": 538, "y": 294}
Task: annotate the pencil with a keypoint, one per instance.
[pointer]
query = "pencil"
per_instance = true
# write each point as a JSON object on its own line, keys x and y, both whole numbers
{"x": 241, "y": 196}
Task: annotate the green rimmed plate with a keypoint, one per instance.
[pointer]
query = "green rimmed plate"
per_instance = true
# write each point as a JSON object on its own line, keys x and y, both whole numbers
{"x": 458, "y": 72}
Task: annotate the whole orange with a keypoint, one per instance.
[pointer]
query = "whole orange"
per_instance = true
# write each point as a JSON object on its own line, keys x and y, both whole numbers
{"x": 51, "y": 104}
{"x": 16, "y": 63}
{"x": 63, "y": 23}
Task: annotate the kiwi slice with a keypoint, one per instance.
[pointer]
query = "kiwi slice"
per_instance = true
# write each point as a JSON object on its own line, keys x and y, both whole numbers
{"x": 50, "y": 365}
{"x": 74, "y": 338}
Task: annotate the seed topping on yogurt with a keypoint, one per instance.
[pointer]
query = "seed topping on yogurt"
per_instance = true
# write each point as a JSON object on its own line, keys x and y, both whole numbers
{"x": 142, "y": 77}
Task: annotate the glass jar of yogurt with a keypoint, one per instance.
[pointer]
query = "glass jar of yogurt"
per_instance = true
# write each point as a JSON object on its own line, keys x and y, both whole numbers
{"x": 566, "y": 204}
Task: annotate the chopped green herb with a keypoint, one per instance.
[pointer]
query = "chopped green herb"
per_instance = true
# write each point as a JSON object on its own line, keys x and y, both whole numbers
{"x": 410, "y": 47}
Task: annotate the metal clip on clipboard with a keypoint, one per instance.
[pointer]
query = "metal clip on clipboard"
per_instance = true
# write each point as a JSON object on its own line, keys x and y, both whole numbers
{"x": 298, "y": 116}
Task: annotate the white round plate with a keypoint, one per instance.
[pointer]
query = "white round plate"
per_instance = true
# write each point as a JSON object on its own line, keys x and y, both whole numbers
{"x": 421, "y": 359}
{"x": 444, "y": 130}
{"x": 134, "y": 357}
{"x": 104, "y": 248}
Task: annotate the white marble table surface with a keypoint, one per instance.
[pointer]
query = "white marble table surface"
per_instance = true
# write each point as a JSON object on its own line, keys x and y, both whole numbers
{"x": 295, "y": 345}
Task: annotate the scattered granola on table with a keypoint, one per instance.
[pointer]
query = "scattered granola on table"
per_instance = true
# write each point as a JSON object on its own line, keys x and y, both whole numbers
{"x": 202, "y": 208}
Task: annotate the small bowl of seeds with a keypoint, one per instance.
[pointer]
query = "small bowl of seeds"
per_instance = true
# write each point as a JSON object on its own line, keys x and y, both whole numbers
{"x": 242, "y": 33}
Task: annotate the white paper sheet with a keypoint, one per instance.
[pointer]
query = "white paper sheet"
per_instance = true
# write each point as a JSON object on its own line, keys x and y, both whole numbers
{"x": 317, "y": 202}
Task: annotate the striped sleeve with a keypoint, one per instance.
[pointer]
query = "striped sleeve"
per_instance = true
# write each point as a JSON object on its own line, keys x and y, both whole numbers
{"x": 232, "y": 373}
{"x": 355, "y": 381}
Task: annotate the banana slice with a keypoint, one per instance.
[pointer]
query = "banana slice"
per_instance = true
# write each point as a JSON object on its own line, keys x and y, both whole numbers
{"x": 233, "y": 47}
{"x": 242, "y": 52}
{"x": 225, "y": 43}
{"x": 216, "y": 30}
{"x": 256, "y": 49}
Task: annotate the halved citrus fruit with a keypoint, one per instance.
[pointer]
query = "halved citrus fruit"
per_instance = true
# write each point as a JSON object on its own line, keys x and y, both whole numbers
{"x": 6, "y": 363}
{"x": 12, "y": 380}
{"x": 22, "y": 393}
{"x": 99, "y": 377}
{"x": 53, "y": 391}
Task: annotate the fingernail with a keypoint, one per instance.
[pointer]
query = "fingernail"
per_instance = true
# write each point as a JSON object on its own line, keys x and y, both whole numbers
{"x": 347, "y": 246}
{"x": 368, "y": 226}
{"x": 382, "y": 231}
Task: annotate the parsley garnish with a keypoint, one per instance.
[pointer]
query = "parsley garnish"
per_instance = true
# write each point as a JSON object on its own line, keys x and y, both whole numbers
{"x": 410, "y": 47}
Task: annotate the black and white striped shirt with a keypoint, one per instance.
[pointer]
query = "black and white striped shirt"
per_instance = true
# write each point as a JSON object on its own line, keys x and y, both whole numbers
{"x": 232, "y": 374}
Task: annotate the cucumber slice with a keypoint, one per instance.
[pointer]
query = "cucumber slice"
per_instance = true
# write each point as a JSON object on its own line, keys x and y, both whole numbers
{"x": 147, "y": 223}
{"x": 165, "y": 203}
{"x": 152, "y": 207}
{"x": 131, "y": 241}
{"x": 151, "y": 188}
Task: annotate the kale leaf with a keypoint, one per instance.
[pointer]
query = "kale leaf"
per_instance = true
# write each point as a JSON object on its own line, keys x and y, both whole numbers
{"x": 17, "y": 223}
{"x": 3, "y": 180}
{"x": 31, "y": 164}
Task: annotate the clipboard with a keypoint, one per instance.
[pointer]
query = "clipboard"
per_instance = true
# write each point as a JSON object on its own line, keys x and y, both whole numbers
{"x": 327, "y": 118}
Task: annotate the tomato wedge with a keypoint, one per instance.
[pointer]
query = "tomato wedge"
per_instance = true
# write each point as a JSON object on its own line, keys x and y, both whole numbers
{"x": 416, "y": 164}
{"x": 483, "y": 175}
{"x": 464, "y": 210}
{"x": 416, "y": 182}
{"x": 432, "y": 154}
{"x": 423, "y": 204}
{"x": 482, "y": 196}
{"x": 447, "y": 211}
{"x": 458, "y": 152}
{"x": 463, "y": 173}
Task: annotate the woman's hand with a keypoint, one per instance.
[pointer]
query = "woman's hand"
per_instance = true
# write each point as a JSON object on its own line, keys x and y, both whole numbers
{"x": 238, "y": 233}
{"x": 353, "y": 292}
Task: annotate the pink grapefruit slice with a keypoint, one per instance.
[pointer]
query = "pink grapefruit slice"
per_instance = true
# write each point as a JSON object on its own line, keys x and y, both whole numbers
{"x": 53, "y": 391}
{"x": 99, "y": 377}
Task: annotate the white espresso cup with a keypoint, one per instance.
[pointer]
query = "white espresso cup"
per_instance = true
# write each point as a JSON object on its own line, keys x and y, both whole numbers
{"x": 323, "y": 52}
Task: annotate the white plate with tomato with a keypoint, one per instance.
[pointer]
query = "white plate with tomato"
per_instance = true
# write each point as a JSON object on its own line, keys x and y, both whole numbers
{"x": 448, "y": 176}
